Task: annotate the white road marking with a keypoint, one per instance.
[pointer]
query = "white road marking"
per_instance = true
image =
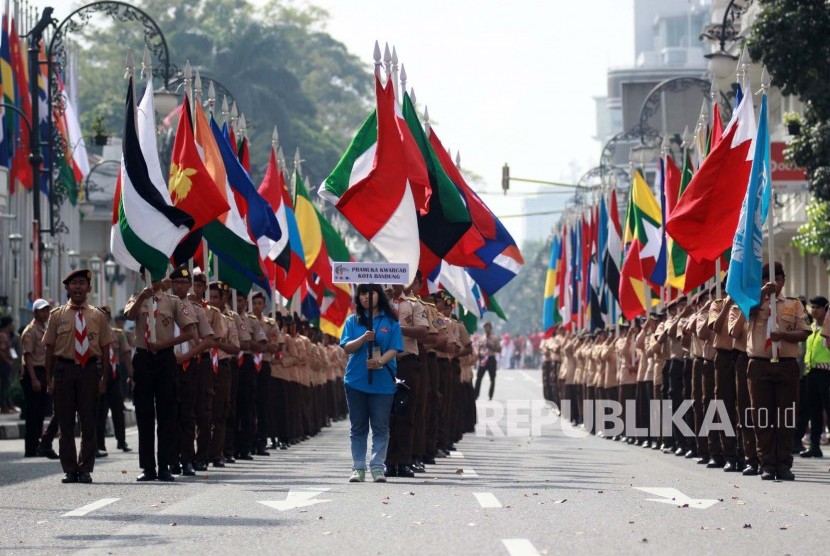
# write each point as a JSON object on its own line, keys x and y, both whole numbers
{"x": 528, "y": 378}
{"x": 456, "y": 454}
{"x": 297, "y": 498}
{"x": 91, "y": 507}
{"x": 468, "y": 472}
{"x": 487, "y": 500}
{"x": 520, "y": 547}
{"x": 676, "y": 498}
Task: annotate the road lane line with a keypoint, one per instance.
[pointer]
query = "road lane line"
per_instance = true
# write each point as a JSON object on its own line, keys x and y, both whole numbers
{"x": 520, "y": 547}
{"x": 487, "y": 500}
{"x": 91, "y": 507}
{"x": 456, "y": 454}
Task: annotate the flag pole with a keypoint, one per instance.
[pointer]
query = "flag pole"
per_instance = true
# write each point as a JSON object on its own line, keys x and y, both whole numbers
{"x": 395, "y": 73}
{"x": 773, "y": 312}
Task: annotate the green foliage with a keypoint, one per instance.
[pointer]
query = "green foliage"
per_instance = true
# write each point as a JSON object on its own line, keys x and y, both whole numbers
{"x": 791, "y": 38}
{"x": 281, "y": 66}
{"x": 814, "y": 236}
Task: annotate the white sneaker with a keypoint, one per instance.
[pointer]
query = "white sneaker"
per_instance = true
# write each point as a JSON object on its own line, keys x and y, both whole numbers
{"x": 358, "y": 476}
{"x": 377, "y": 476}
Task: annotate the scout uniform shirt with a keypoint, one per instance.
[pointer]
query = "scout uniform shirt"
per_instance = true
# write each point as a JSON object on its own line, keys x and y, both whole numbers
{"x": 437, "y": 323}
{"x": 721, "y": 339}
{"x": 791, "y": 317}
{"x": 30, "y": 341}
{"x": 203, "y": 328}
{"x": 171, "y": 312}
{"x": 223, "y": 329}
{"x": 272, "y": 334}
{"x": 609, "y": 356}
{"x": 675, "y": 344}
{"x": 286, "y": 367}
{"x": 410, "y": 314}
{"x": 707, "y": 347}
{"x": 657, "y": 354}
{"x": 60, "y": 331}
{"x": 304, "y": 348}
{"x": 626, "y": 360}
{"x": 740, "y": 336}
{"x": 643, "y": 359}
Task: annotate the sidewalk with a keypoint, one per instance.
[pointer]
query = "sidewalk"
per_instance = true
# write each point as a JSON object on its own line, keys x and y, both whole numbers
{"x": 13, "y": 427}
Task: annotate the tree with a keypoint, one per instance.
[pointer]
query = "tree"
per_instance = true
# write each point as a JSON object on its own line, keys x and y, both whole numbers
{"x": 791, "y": 38}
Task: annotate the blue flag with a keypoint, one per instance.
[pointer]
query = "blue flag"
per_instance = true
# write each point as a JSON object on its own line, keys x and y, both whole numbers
{"x": 744, "y": 281}
{"x": 660, "y": 273}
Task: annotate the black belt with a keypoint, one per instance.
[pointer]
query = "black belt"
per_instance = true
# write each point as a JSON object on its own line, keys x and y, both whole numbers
{"x": 157, "y": 352}
{"x": 407, "y": 357}
{"x": 780, "y": 359}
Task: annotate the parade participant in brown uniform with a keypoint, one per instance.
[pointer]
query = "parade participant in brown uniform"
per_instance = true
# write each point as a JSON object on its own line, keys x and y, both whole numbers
{"x": 77, "y": 337}
{"x": 188, "y": 357}
{"x": 425, "y": 386}
{"x": 154, "y": 378}
{"x": 250, "y": 364}
{"x": 773, "y": 384}
{"x": 33, "y": 380}
{"x": 113, "y": 398}
{"x": 244, "y": 336}
{"x": 674, "y": 353}
{"x": 627, "y": 359}
{"x": 203, "y": 373}
{"x": 270, "y": 349}
{"x": 704, "y": 332}
{"x": 226, "y": 346}
{"x": 280, "y": 404}
{"x": 434, "y": 343}
{"x": 414, "y": 327}
{"x": 660, "y": 365}
{"x": 738, "y": 330}
{"x": 725, "y": 377}
{"x": 464, "y": 350}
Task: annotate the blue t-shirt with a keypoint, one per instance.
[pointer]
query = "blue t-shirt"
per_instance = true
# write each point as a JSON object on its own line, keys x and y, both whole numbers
{"x": 387, "y": 336}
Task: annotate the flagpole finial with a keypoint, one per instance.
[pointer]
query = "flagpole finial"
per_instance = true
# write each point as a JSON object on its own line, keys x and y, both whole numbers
{"x": 664, "y": 147}
{"x": 412, "y": 96}
{"x": 686, "y": 137}
{"x": 713, "y": 90}
{"x": 211, "y": 96}
{"x": 234, "y": 115}
{"x": 394, "y": 58}
{"x": 130, "y": 65}
{"x": 387, "y": 60}
{"x": 275, "y": 139}
{"x": 765, "y": 80}
{"x": 188, "y": 71}
{"x": 281, "y": 159}
{"x": 225, "y": 110}
{"x": 403, "y": 77}
{"x": 297, "y": 161}
{"x": 197, "y": 86}
{"x": 458, "y": 159}
{"x": 376, "y": 57}
{"x": 146, "y": 63}
{"x": 743, "y": 65}
{"x": 243, "y": 126}
{"x": 426, "y": 119}
{"x": 704, "y": 111}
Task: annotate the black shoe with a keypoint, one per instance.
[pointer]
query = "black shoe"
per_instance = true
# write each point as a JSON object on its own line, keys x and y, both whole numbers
{"x": 418, "y": 467}
{"x": 246, "y": 457}
{"x": 101, "y": 453}
{"x": 30, "y": 455}
{"x": 274, "y": 444}
{"x": 680, "y": 452}
{"x": 798, "y": 447}
{"x": 200, "y": 466}
{"x": 731, "y": 467}
{"x": 429, "y": 460}
{"x": 655, "y": 445}
{"x": 124, "y": 447}
{"x": 715, "y": 463}
{"x": 283, "y": 445}
{"x": 750, "y": 471}
{"x": 84, "y": 477}
{"x": 405, "y": 471}
{"x": 262, "y": 452}
{"x": 690, "y": 454}
{"x": 47, "y": 453}
{"x": 767, "y": 476}
{"x": 147, "y": 476}
{"x": 784, "y": 475}
{"x": 218, "y": 463}
{"x": 176, "y": 469}
{"x": 70, "y": 478}
{"x": 813, "y": 452}
{"x": 452, "y": 448}
{"x": 391, "y": 471}
{"x": 187, "y": 469}
{"x": 166, "y": 476}
{"x": 229, "y": 459}
{"x": 646, "y": 444}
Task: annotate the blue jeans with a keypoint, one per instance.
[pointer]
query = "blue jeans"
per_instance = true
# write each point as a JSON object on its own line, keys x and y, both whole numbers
{"x": 366, "y": 409}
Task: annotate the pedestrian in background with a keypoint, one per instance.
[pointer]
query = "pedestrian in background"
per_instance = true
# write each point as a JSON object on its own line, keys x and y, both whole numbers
{"x": 6, "y": 361}
{"x": 33, "y": 379}
{"x": 370, "y": 377}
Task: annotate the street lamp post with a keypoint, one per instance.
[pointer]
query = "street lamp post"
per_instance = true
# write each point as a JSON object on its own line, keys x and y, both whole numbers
{"x": 48, "y": 251}
{"x": 74, "y": 257}
{"x": 95, "y": 267}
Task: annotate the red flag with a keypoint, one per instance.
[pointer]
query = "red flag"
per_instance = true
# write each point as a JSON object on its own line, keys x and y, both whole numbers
{"x": 21, "y": 170}
{"x": 706, "y": 216}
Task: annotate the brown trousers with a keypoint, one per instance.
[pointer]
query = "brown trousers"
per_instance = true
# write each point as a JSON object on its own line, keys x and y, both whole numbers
{"x": 446, "y": 384}
{"x": 76, "y": 391}
{"x": 204, "y": 406}
{"x": 187, "y": 383}
{"x": 773, "y": 388}
{"x": 421, "y": 408}
{"x": 725, "y": 390}
{"x": 746, "y": 424}
{"x": 402, "y": 428}
{"x": 434, "y": 405}
{"x": 221, "y": 409}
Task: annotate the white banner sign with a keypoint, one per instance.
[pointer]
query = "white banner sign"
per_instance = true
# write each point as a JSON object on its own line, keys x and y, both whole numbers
{"x": 371, "y": 273}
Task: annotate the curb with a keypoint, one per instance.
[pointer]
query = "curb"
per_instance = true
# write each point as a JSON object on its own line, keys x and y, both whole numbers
{"x": 16, "y": 430}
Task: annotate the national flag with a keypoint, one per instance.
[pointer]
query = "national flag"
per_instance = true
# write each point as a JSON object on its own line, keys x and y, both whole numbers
{"x": 287, "y": 253}
{"x": 21, "y": 169}
{"x": 705, "y": 218}
{"x": 43, "y": 118}
{"x": 72, "y": 160}
{"x": 148, "y": 226}
{"x": 659, "y": 275}
{"x": 457, "y": 281}
{"x": 642, "y": 233}
{"x": 612, "y": 255}
{"x": 191, "y": 187}
{"x": 227, "y": 236}
{"x": 744, "y": 282}
{"x": 10, "y": 122}
{"x": 244, "y": 154}
{"x": 446, "y": 231}
{"x": 676, "y": 182}
{"x": 550, "y": 310}
{"x": 370, "y": 185}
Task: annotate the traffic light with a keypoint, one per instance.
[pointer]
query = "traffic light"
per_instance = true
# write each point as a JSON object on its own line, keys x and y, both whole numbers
{"x": 505, "y": 178}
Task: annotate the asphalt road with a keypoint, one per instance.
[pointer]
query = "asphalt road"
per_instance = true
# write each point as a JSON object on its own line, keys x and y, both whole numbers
{"x": 548, "y": 494}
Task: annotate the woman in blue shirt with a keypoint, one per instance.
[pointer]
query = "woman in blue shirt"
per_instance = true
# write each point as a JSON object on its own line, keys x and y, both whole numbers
{"x": 370, "y": 381}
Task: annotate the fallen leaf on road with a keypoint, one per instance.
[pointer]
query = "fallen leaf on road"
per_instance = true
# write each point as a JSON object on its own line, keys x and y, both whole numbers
{"x": 683, "y": 506}
{"x": 747, "y": 526}
{"x": 123, "y": 471}
{"x": 631, "y": 523}
{"x": 560, "y": 501}
{"x": 384, "y": 502}
{"x": 601, "y": 492}
{"x": 409, "y": 493}
{"x": 644, "y": 540}
{"x": 459, "y": 471}
{"x": 319, "y": 517}
{"x": 173, "y": 524}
